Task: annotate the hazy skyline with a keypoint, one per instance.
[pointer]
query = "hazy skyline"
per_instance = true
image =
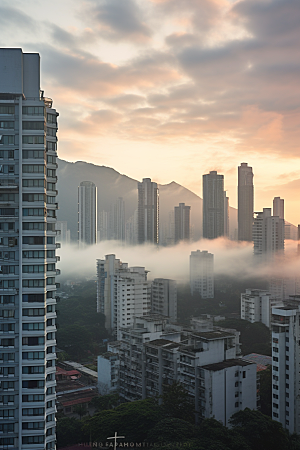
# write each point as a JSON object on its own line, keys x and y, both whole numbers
{"x": 171, "y": 89}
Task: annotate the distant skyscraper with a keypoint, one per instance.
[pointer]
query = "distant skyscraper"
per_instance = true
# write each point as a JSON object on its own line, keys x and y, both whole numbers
{"x": 119, "y": 220}
{"x": 182, "y": 222}
{"x": 202, "y": 274}
{"x": 245, "y": 202}
{"x": 268, "y": 235}
{"x": 226, "y": 215}
{"x": 63, "y": 235}
{"x": 87, "y": 213}
{"x": 278, "y": 207}
{"x": 213, "y": 205}
{"x": 28, "y": 142}
{"x": 148, "y": 212}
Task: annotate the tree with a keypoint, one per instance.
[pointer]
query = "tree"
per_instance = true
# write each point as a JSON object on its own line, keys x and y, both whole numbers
{"x": 105, "y": 402}
{"x": 177, "y": 403}
{"x": 69, "y": 431}
{"x": 80, "y": 410}
{"x": 171, "y": 430}
{"x": 265, "y": 391}
{"x": 260, "y": 431}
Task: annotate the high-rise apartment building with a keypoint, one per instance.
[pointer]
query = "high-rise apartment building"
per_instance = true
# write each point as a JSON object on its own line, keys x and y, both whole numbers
{"x": 286, "y": 365}
{"x": 87, "y": 213}
{"x": 182, "y": 222}
{"x": 28, "y": 152}
{"x": 213, "y": 205}
{"x": 202, "y": 274}
{"x": 245, "y": 202}
{"x": 278, "y": 207}
{"x": 268, "y": 235}
{"x": 164, "y": 298}
{"x": 148, "y": 212}
{"x": 123, "y": 293}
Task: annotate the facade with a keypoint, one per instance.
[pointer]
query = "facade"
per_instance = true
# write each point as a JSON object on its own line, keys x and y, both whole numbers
{"x": 164, "y": 298}
{"x": 154, "y": 354}
{"x": 268, "y": 235}
{"x": 226, "y": 215}
{"x": 202, "y": 273}
{"x": 148, "y": 212}
{"x": 256, "y": 306}
{"x": 87, "y": 213}
{"x": 286, "y": 366}
{"x": 119, "y": 220}
{"x": 103, "y": 226}
{"x": 278, "y": 207}
{"x": 122, "y": 293}
{"x": 182, "y": 222}
{"x": 28, "y": 152}
{"x": 245, "y": 202}
{"x": 213, "y": 205}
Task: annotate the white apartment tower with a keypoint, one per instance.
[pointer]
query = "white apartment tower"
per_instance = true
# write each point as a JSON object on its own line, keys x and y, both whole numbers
{"x": 245, "y": 202}
{"x": 123, "y": 293}
{"x": 202, "y": 274}
{"x": 28, "y": 152}
{"x": 164, "y": 298}
{"x": 268, "y": 235}
{"x": 87, "y": 213}
{"x": 286, "y": 366}
{"x": 213, "y": 205}
{"x": 148, "y": 212}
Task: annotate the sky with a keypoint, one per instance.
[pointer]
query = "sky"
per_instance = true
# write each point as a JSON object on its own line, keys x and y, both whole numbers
{"x": 171, "y": 89}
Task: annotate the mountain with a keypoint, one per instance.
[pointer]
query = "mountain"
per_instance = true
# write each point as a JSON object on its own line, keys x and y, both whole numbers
{"x": 111, "y": 185}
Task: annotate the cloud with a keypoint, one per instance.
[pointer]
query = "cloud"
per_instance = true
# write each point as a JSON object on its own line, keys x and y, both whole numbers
{"x": 119, "y": 20}
{"x": 230, "y": 259}
{"x": 13, "y": 17}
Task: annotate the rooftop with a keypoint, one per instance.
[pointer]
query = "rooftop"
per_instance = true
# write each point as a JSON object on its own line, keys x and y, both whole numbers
{"x": 168, "y": 345}
{"x": 262, "y": 361}
{"x": 212, "y": 335}
{"x": 225, "y": 364}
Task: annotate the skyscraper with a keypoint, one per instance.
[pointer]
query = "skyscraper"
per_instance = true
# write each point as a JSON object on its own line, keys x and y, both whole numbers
{"x": 213, "y": 205}
{"x": 148, "y": 212}
{"x": 28, "y": 145}
{"x": 278, "y": 207}
{"x": 202, "y": 274}
{"x": 245, "y": 202}
{"x": 182, "y": 222}
{"x": 119, "y": 220}
{"x": 87, "y": 213}
{"x": 226, "y": 215}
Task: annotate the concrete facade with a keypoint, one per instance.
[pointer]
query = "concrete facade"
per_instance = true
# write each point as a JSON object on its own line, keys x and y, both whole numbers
{"x": 202, "y": 273}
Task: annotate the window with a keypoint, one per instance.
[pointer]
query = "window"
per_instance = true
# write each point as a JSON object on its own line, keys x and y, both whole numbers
{"x": 36, "y": 254}
{"x": 51, "y": 146}
{"x": 33, "y": 411}
{"x": 275, "y": 405}
{"x": 40, "y": 226}
{"x": 236, "y": 404}
{"x": 7, "y": 154}
{"x": 7, "y": 211}
{"x": 7, "y": 109}
{"x": 33, "y": 311}
{"x": 33, "y": 384}
{"x": 7, "y": 125}
{"x": 33, "y": 269}
{"x": 33, "y": 439}
{"x": 6, "y": 299}
{"x": 51, "y": 132}
{"x": 33, "y": 369}
{"x": 31, "y": 125}
{"x": 33, "y": 355}
{"x": 51, "y": 118}
{"x": 33, "y": 110}
{"x": 7, "y": 342}
{"x": 34, "y": 212}
{"x": 32, "y": 341}
{"x": 7, "y": 140}
{"x": 50, "y": 281}
{"x": 33, "y": 139}
{"x": 6, "y": 371}
{"x": 7, "y": 357}
{"x": 33, "y": 425}
{"x": 6, "y": 413}
{"x": 33, "y": 168}
{"x": 36, "y": 326}
{"x": 34, "y": 183}
{"x": 34, "y": 197}
{"x": 33, "y": 283}
{"x": 33, "y": 298}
